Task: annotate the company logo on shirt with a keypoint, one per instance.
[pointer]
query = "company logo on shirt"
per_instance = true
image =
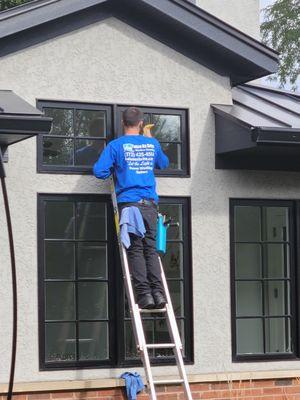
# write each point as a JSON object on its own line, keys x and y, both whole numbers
{"x": 139, "y": 157}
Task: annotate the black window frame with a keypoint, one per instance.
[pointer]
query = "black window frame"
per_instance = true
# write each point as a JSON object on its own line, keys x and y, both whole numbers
{"x": 41, "y": 200}
{"x": 114, "y": 130}
{"x": 71, "y": 169}
{"x": 188, "y": 292}
{"x": 116, "y": 289}
{"x": 294, "y": 237}
{"x": 184, "y": 142}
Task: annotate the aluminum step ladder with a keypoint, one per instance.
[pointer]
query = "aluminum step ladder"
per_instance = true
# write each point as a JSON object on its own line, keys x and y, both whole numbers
{"x": 137, "y": 323}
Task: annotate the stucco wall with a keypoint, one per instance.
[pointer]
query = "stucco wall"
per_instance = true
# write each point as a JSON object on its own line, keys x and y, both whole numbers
{"x": 242, "y": 14}
{"x": 99, "y": 63}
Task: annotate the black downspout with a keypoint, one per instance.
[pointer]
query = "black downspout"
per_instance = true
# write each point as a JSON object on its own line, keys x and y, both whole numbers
{"x": 14, "y": 279}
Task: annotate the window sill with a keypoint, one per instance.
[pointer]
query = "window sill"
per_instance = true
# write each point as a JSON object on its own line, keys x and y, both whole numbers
{"x": 61, "y": 385}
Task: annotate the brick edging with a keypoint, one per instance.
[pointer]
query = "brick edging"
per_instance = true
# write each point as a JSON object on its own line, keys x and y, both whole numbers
{"x": 262, "y": 389}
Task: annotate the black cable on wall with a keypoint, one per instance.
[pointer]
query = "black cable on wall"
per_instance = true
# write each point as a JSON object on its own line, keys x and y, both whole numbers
{"x": 14, "y": 286}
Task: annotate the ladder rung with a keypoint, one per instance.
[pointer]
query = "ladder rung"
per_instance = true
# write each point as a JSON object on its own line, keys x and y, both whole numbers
{"x": 160, "y": 346}
{"x": 168, "y": 382}
{"x": 152, "y": 310}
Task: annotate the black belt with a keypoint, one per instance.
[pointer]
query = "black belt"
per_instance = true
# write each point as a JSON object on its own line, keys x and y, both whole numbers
{"x": 147, "y": 202}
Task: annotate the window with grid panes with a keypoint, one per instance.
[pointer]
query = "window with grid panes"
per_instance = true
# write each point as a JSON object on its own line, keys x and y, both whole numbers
{"x": 75, "y": 236}
{"x": 81, "y": 295}
{"x": 263, "y": 279}
{"x": 171, "y": 130}
{"x": 177, "y": 268}
{"x": 79, "y": 133}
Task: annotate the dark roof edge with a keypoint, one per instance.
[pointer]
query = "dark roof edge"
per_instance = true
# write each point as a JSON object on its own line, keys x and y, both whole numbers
{"x": 271, "y": 89}
{"x": 25, "y": 7}
{"x": 184, "y": 4}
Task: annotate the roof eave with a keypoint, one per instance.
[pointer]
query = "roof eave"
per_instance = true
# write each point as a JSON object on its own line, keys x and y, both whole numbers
{"x": 176, "y": 23}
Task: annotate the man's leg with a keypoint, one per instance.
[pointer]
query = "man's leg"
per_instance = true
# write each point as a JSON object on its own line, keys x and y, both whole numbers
{"x": 152, "y": 263}
{"x": 138, "y": 270}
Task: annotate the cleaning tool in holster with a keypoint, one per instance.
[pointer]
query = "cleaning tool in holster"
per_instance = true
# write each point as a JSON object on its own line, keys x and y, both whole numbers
{"x": 161, "y": 233}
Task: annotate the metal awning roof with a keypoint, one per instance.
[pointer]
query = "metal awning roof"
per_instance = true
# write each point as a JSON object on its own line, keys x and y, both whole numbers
{"x": 260, "y": 130}
{"x": 19, "y": 120}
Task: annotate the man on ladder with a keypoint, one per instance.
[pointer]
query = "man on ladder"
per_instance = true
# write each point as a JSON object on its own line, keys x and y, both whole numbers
{"x": 132, "y": 158}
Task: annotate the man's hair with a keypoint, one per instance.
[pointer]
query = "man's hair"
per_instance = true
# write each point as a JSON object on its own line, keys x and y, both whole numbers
{"x": 132, "y": 116}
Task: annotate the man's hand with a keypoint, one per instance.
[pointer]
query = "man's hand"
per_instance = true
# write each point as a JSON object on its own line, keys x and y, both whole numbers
{"x": 147, "y": 130}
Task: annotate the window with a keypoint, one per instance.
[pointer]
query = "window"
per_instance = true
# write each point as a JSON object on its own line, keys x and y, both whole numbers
{"x": 79, "y": 133}
{"x": 263, "y": 279}
{"x": 76, "y": 300}
{"x": 81, "y": 297}
{"x": 176, "y": 263}
{"x": 81, "y": 130}
{"x": 172, "y": 132}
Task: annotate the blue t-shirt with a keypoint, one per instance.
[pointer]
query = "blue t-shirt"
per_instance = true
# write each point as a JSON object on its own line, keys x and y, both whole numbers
{"x": 133, "y": 159}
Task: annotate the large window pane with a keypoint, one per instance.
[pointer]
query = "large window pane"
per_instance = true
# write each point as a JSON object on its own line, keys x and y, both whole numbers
{"x": 248, "y": 298}
{"x": 92, "y": 300}
{"x": 173, "y": 260}
{"x": 249, "y": 336}
{"x": 91, "y": 221}
{"x": 277, "y": 298}
{"x": 92, "y": 261}
{"x": 275, "y": 224}
{"x": 248, "y": 260}
{"x": 247, "y": 224}
{"x": 167, "y": 128}
{"x": 62, "y": 121}
{"x": 60, "y": 342}
{"x": 278, "y": 335}
{"x": 60, "y": 301}
{"x": 130, "y": 345}
{"x": 173, "y": 152}
{"x": 173, "y": 211}
{"x": 59, "y": 220}
{"x": 176, "y": 292}
{"x": 59, "y": 260}
{"x": 58, "y": 151}
{"x": 88, "y": 151}
{"x": 277, "y": 260}
{"x": 162, "y": 336}
{"x": 93, "y": 341}
{"x": 90, "y": 123}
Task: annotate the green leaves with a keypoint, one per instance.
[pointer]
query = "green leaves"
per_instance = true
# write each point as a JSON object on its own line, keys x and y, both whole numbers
{"x": 281, "y": 31}
{"x": 4, "y": 4}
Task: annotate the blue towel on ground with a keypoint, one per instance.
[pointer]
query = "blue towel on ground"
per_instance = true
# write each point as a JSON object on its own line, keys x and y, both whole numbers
{"x": 134, "y": 384}
{"x": 131, "y": 222}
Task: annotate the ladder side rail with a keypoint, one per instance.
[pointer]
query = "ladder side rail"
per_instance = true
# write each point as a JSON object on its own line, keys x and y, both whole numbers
{"x": 175, "y": 337}
{"x": 137, "y": 324}
{"x": 140, "y": 338}
{"x": 170, "y": 311}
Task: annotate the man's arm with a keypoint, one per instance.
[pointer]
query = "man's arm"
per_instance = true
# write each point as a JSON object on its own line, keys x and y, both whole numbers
{"x": 161, "y": 160}
{"x": 103, "y": 167}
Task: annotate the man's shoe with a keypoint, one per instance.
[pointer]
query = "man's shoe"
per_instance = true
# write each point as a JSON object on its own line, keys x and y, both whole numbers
{"x": 160, "y": 300}
{"x": 146, "y": 301}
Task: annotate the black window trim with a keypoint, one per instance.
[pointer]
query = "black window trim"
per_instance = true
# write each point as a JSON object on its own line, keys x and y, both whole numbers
{"x": 113, "y": 127}
{"x": 185, "y": 139}
{"x": 115, "y": 281}
{"x": 74, "y": 170}
{"x": 294, "y": 220}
